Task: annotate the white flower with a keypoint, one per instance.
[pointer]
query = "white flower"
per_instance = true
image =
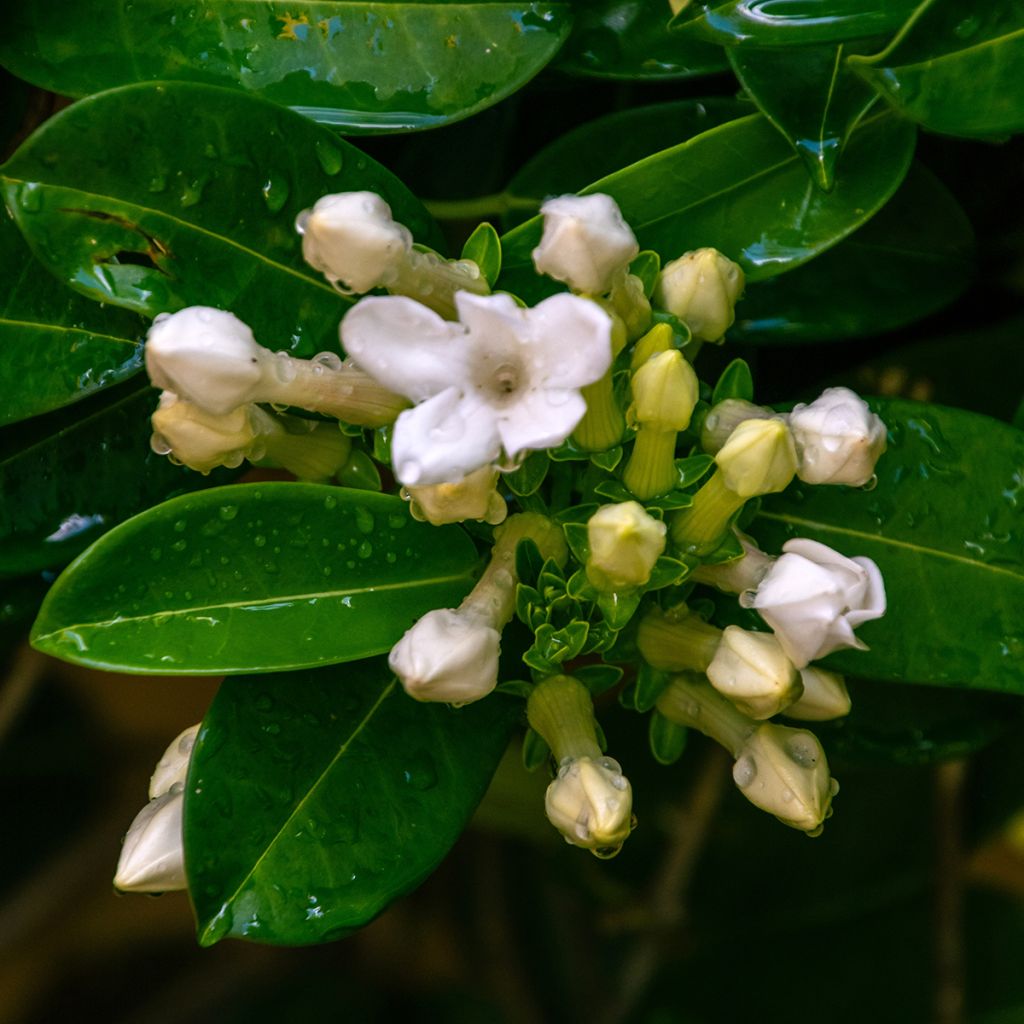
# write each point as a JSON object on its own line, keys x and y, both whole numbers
{"x": 503, "y": 377}
{"x": 200, "y": 440}
{"x": 591, "y": 803}
{"x": 206, "y": 356}
{"x": 586, "y": 242}
{"x": 625, "y": 542}
{"x": 752, "y": 670}
{"x": 813, "y": 598}
{"x": 172, "y": 768}
{"x": 353, "y": 240}
{"x": 838, "y": 438}
{"x": 449, "y": 655}
{"x": 825, "y": 696}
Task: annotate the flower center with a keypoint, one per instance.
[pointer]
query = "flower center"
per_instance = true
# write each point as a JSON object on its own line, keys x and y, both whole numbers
{"x": 501, "y": 383}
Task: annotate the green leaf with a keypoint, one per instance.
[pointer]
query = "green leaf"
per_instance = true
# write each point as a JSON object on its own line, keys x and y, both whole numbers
{"x": 735, "y": 382}
{"x": 55, "y": 346}
{"x": 810, "y": 95}
{"x": 741, "y": 189}
{"x": 535, "y": 750}
{"x": 667, "y": 739}
{"x": 316, "y": 798}
{"x": 483, "y": 247}
{"x": 528, "y": 476}
{"x": 630, "y": 39}
{"x": 187, "y": 194}
{"x": 598, "y": 678}
{"x": 955, "y": 68}
{"x": 254, "y": 577}
{"x": 913, "y": 258}
{"x": 370, "y": 66}
{"x": 944, "y": 526}
{"x": 790, "y": 23}
{"x": 647, "y": 266}
{"x": 68, "y": 477}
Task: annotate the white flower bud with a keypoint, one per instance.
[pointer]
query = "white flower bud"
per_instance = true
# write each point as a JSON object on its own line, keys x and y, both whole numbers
{"x": 153, "y": 854}
{"x": 201, "y": 440}
{"x": 784, "y": 772}
{"x": 701, "y": 288}
{"x": 625, "y": 542}
{"x": 472, "y": 497}
{"x": 206, "y": 356}
{"x": 838, "y": 438}
{"x": 813, "y": 598}
{"x": 724, "y": 417}
{"x": 449, "y": 655}
{"x": 353, "y": 240}
{"x": 752, "y": 670}
{"x": 172, "y": 768}
{"x": 590, "y": 802}
{"x": 759, "y": 458}
{"x": 586, "y": 242}
{"x": 825, "y": 697}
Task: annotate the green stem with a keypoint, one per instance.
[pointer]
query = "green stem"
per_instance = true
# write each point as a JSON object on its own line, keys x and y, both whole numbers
{"x": 651, "y": 469}
{"x": 561, "y": 711}
{"x": 699, "y": 529}
{"x": 693, "y": 702}
{"x": 480, "y": 207}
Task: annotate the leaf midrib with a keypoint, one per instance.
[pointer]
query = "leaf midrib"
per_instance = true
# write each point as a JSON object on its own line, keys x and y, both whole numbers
{"x": 7, "y": 322}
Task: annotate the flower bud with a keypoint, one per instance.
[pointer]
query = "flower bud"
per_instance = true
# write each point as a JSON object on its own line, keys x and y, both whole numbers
{"x": 724, "y": 417}
{"x": 625, "y": 542}
{"x": 590, "y": 802}
{"x": 658, "y": 339}
{"x": 752, "y": 670}
{"x": 153, "y": 854}
{"x": 449, "y": 655}
{"x": 825, "y": 697}
{"x": 743, "y": 573}
{"x": 198, "y": 439}
{"x": 759, "y": 458}
{"x": 472, "y": 497}
{"x": 784, "y": 772}
{"x": 586, "y": 242}
{"x": 353, "y": 240}
{"x": 665, "y": 390}
{"x": 838, "y": 438}
{"x": 813, "y": 598}
{"x": 206, "y": 356}
{"x": 309, "y": 450}
{"x": 701, "y": 288}
{"x": 172, "y": 768}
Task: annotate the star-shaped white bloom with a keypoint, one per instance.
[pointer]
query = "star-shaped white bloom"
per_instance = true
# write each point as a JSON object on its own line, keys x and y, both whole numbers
{"x": 502, "y": 377}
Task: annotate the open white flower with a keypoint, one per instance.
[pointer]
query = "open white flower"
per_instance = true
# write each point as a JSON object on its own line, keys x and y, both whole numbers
{"x": 813, "y": 598}
{"x": 502, "y": 377}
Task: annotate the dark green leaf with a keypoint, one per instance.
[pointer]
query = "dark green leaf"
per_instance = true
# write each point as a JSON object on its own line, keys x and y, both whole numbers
{"x": 316, "y": 798}
{"x": 378, "y": 65}
{"x": 68, "y": 477}
{"x": 55, "y": 346}
{"x": 535, "y": 751}
{"x": 647, "y": 266}
{"x": 914, "y": 257}
{"x": 254, "y": 577}
{"x": 187, "y": 194}
{"x": 944, "y": 525}
{"x": 741, "y": 189}
{"x": 667, "y": 739}
{"x": 735, "y": 382}
{"x": 12, "y": 110}
{"x": 598, "y": 678}
{"x": 955, "y": 68}
{"x": 529, "y": 475}
{"x": 483, "y": 247}
{"x": 619, "y": 608}
{"x": 789, "y": 23}
{"x": 630, "y": 39}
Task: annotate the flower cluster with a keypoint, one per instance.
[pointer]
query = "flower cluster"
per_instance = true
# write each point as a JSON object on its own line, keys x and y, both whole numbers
{"x": 574, "y": 431}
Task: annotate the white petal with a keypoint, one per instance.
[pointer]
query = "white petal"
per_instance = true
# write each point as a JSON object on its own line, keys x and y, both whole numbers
{"x": 485, "y": 314}
{"x": 172, "y": 768}
{"x": 153, "y": 855}
{"x": 405, "y": 346}
{"x": 570, "y": 341}
{"x": 873, "y": 605}
{"x": 444, "y": 439}
{"x": 540, "y": 419}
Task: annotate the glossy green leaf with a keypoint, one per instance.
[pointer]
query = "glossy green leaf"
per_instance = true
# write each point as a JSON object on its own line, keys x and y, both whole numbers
{"x": 155, "y": 197}
{"x": 915, "y": 257}
{"x": 378, "y": 65}
{"x": 945, "y": 526}
{"x": 316, "y": 798}
{"x": 483, "y": 247}
{"x": 254, "y": 577}
{"x": 741, "y": 189}
{"x": 788, "y": 23}
{"x": 55, "y": 346}
{"x": 810, "y": 95}
{"x": 630, "y": 39}
{"x": 667, "y": 740}
{"x": 955, "y": 68}
{"x": 735, "y": 381}
{"x": 69, "y": 476}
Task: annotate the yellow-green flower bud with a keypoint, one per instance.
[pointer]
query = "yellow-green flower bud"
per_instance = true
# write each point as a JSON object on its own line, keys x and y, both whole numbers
{"x": 657, "y": 339}
{"x": 759, "y": 458}
{"x": 472, "y": 497}
{"x": 665, "y": 390}
{"x": 200, "y": 440}
{"x": 625, "y": 542}
{"x": 701, "y": 288}
{"x": 677, "y": 640}
{"x": 752, "y": 670}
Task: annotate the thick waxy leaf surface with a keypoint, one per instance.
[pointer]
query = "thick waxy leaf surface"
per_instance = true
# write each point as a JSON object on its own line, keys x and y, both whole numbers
{"x": 370, "y": 66}
{"x": 55, "y": 346}
{"x": 254, "y": 577}
{"x": 742, "y": 189}
{"x": 68, "y": 477}
{"x": 316, "y": 798}
{"x": 630, "y": 39}
{"x": 945, "y": 524}
{"x": 955, "y": 68}
{"x": 156, "y": 197}
{"x": 913, "y": 258}
{"x": 786, "y": 23}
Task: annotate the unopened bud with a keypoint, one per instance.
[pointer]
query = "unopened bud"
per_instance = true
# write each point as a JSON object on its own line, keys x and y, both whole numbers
{"x": 200, "y": 440}
{"x": 825, "y": 696}
{"x": 665, "y": 390}
{"x": 752, "y": 670}
{"x": 472, "y": 497}
{"x": 759, "y": 458}
{"x": 724, "y": 417}
{"x": 625, "y": 542}
{"x": 701, "y": 288}
{"x": 590, "y": 802}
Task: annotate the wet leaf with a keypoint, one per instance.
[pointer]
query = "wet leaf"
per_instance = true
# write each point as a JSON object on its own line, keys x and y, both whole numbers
{"x": 254, "y": 577}
{"x": 955, "y": 68}
{"x": 187, "y": 194}
{"x": 55, "y": 346}
{"x": 368, "y": 66}
{"x": 316, "y": 798}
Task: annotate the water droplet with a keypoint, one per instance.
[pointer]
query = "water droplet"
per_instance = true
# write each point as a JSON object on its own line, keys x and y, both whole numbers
{"x": 329, "y": 156}
{"x": 227, "y": 512}
{"x": 744, "y": 771}
{"x": 365, "y": 549}
{"x": 420, "y": 771}
{"x": 328, "y": 360}
{"x": 275, "y": 191}
{"x": 30, "y": 197}
{"x": 364, "y": 520}
{"x": 397, "y": 521}
{"x": 180, "y": 526}
{"x": 259, "y": 540}
{"x": 391, "y": 558}
{"x": 192, "y": 192}
{"x": 179, "y": 545}
{"x": 155, "y": 554}
{"x": 803, "y": 750}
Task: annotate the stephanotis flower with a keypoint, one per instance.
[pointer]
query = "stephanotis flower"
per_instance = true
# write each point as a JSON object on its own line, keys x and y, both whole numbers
{"x": 502, "y": 377}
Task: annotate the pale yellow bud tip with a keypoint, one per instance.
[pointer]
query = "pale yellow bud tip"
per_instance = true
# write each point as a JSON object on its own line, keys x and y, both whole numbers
{"x": 759, "y": 458}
